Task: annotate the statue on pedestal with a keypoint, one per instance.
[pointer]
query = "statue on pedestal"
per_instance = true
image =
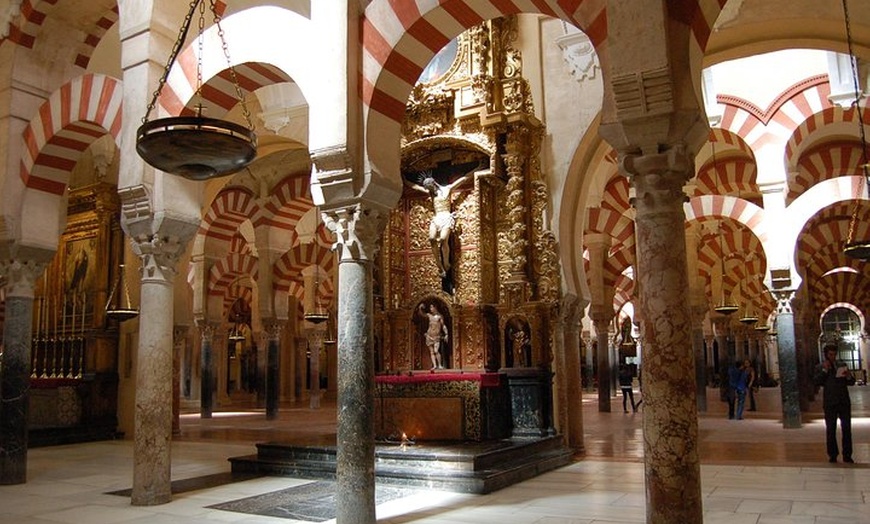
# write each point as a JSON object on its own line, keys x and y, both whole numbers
{"x": 435, "y": 334}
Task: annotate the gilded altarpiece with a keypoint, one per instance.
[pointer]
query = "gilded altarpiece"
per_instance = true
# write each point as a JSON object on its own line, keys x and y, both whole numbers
{"x": 74, "y": 380}
{"x": 470, "y": 127}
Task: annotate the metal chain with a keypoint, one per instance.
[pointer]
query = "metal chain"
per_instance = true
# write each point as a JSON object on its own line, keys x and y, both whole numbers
{"x": 853, "y": 63}
{"x": 199, "y": 42}
{"x": 176, "y": 48}
{"x": 235, "y": 79}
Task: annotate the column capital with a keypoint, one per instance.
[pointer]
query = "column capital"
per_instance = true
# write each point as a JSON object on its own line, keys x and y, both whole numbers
{"x": 206, "y": 328}
{"x": 273, "y": 327}
{"x": 784, "y": 299}
{"x": 20, "y": 276}
{"x": 660, "y": 175}
{"x": 159, "y": 255}
{"x": 357, "y": 228}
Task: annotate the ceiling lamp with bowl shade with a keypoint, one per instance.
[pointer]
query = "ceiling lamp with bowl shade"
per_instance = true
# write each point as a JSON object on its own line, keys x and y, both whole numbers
{"x": 197, "y": 147}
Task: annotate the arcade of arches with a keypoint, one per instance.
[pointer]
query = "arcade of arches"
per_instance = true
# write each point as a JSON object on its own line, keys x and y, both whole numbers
{"x": 540, "y": 180}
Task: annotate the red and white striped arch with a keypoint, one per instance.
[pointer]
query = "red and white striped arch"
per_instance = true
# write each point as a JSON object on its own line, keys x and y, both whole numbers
{"x": 776, "y": 123}
{"x": 729, "y": 176}
{"x": 617, "y": 225}
{"x": 228, "y": 210}
{"x": 711, "y": 207}
{"x": 33, "y": 14}
{"x": 289, "y": 201}
{"x": 827, "y": 160}
{"x": 616, "y": 195}
{"x": 840, "y": 288}
{"x": 219, "y": 95}
{"x": 400, "y": 37}
{"x": 228, "y": 269}
{"x": 819, "y": 120}
{"x": 289, "y": 267}
{"x": 86, "y": 48}
{"x": 65, "y": 125}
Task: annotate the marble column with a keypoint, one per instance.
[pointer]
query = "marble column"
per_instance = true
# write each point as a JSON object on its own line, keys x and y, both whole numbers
{"x": 586, "y": 337}
{"x": 357, "y": 229}
{"x": 709, "y": 372}
{"x": 603, "y": 362}
{"x": 572, "y": 311}
{"x": 206, "y": 369}
{"x": 153, "y": 412}
{"x": 273, "y": 366}
{"x": 315, "y": 345}
{"x": 20, "y": 277}
{"x": 670, "y": 423}
{"x": 788, "y": 375}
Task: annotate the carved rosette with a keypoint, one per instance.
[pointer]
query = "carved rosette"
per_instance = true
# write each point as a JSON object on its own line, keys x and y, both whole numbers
{"x": 357, "y": 229}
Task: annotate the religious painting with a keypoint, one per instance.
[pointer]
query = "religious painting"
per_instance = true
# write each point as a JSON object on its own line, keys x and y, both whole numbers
{"x": 79, "y": 266}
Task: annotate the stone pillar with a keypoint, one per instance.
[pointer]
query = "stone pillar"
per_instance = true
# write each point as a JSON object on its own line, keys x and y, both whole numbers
{"x": 315, "y": 345}
{"x": 273, "y": 366}
{"x": 357, "y": 229}
{"x": 739, "y": 345}
{"x": 573, "y": 430}
{"x": 788, "y": 375}
{"x": 700, "y": 362}
{"x": 603, "y": 361}
{"x": 720, "y": 326}
{"x": 590, "y": 365}
{"x": 179, "y": 339}
{"x": 20, "y": 277}
{"x": 709, "y": 359}
{"x": 670, "y": 421}
{"x": 206, "y": 369}
{"x": 153, "y": 414}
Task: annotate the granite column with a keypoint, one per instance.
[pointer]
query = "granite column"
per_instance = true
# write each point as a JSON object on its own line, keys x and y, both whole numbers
{"x": 601, "y": 323}
{"x": 20, "y": 277}
{"x": 670, "y": 423}
{"x": 273, "y": 367}
{"x": 206, "y": 369}
{"x": 788, "y": 366}
{"x": 357, "y": 229}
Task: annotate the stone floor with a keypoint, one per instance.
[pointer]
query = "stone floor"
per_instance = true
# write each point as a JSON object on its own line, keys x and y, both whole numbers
{"x": 753, "y": 471}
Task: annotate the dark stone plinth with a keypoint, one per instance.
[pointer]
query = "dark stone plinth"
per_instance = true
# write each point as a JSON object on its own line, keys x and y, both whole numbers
{"x": 531, "y": 394}
{"x": 466, "y": 467}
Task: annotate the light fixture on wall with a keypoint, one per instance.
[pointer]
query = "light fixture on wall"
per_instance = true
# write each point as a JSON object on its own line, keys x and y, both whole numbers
{"x": 859, "y": 249}
{"x": 197, "y": 147}
{"x": 118, "y": 306}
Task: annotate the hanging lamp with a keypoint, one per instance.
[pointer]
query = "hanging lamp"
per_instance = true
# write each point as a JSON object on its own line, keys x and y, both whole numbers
{"x": 724, "y": 307}
{"x": 748, "y": 318}
{"x": 235, "y": 334}
{"x": 120, "y": 309}
{"x": 858, "y": 249}
{"x": 197, "y": 147}
{"x": 319, "y": 314}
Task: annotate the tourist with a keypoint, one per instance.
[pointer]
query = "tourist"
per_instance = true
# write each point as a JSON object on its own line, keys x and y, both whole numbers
{"x": 834, "y": 376}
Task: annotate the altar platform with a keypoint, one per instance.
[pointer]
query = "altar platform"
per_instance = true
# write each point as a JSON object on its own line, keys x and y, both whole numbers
{"x": 464, "y": 467}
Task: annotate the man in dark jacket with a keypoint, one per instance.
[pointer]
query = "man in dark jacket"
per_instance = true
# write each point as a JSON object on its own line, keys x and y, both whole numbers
{"x": 834, "y": 376}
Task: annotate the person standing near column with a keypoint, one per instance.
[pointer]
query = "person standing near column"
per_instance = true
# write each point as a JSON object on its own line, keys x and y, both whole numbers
{"x": 625, "y": 380}
{"x": 834, "y": 376}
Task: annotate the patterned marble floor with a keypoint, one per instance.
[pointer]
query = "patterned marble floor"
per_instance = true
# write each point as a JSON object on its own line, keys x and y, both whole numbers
{"x": 753, "y": 471}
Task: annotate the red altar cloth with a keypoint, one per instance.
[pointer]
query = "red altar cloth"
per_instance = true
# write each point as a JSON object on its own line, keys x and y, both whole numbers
{"x": 487, "y": 380}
